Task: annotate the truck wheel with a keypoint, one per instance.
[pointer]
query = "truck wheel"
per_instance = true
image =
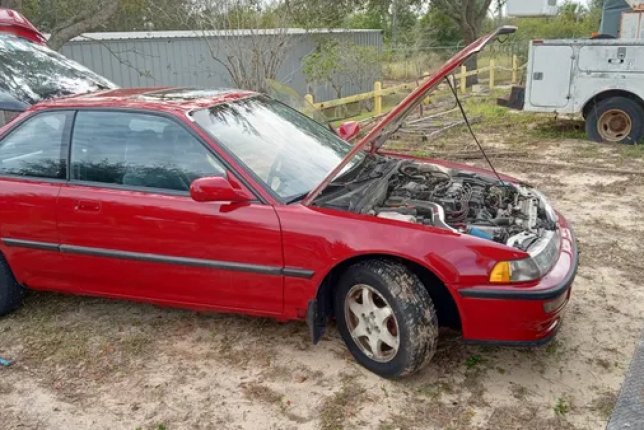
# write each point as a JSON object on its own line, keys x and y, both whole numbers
{"x": 617, "y": 120}
{"x": 11, "y": 292}
{"x": 386, "y": 317}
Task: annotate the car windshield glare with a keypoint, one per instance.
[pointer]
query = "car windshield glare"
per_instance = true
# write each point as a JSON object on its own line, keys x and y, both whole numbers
{"x": 31, "y": 72}
{"x": 287, "y": 151}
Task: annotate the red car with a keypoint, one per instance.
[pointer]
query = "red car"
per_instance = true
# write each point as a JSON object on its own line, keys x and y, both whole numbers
{"x": 12, "y": 22}
{"x": 230, "y": 201}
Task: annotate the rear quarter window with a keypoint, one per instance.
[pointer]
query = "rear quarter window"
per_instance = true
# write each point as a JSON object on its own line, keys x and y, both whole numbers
{"x": 35, "y": 148}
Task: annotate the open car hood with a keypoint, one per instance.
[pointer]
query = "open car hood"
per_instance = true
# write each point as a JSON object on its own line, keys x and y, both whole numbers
{"x": 394, "y": 119}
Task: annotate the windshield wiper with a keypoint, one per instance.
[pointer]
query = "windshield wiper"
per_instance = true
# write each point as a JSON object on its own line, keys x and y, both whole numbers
{"x": 296, "y": 198}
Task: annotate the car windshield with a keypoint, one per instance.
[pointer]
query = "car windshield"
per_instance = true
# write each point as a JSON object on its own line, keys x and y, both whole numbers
{"x": 31, "y": 72}
{"x": 286, "y": 150}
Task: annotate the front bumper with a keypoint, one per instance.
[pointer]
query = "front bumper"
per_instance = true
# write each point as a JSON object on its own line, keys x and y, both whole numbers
{"x": 519, "y": 315}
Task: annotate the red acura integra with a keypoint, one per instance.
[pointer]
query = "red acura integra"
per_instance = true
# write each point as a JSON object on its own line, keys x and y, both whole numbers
{"x": 228, "y": 200}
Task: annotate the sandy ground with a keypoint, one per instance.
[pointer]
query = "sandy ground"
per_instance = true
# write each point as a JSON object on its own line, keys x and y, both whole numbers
{"x": 85, "y": 363}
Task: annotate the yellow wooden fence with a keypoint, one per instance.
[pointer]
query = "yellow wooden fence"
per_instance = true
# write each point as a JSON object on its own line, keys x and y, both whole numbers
{"x": 379, "y": 92}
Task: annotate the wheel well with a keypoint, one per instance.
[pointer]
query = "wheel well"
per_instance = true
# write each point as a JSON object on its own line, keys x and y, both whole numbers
{"x": 608, "y": 94}
{"x": 446, "y": 309}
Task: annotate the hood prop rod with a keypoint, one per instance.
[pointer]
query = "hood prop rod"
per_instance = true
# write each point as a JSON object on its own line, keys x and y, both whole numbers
{"x": 469, "y": 127}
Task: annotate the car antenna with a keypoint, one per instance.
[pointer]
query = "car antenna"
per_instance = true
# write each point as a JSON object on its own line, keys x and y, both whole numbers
{"x": 469, "y": 127}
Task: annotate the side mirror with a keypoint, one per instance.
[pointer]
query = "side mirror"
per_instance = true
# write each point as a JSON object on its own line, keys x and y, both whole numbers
{"x": 217, "y": 189}
{"x": 348, "y": 130}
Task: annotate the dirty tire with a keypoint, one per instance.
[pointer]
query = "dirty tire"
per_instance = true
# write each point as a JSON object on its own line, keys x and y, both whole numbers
{"x": 415, "y": 315}
{"x": 598, "y": 121}
{"x": 11, "y": 292}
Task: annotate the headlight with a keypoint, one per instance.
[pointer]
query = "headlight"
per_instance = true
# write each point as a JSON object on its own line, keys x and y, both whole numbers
{"x": 515, "y": 271}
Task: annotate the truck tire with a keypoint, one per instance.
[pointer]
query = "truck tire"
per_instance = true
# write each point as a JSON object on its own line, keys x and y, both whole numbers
{"x": 615, "y": 120}
{"x": 386, "y": 318}
{"x": 11, "y": 293}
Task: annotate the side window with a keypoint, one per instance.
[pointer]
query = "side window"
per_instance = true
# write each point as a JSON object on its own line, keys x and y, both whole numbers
{"x": 138, "y": 150}
{"x": 35, "y": 148}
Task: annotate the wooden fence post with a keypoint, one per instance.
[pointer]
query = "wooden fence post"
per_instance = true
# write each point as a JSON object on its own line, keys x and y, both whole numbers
{"x": 515, "y": 69}
{"x": 377, "y": 98}
{"x": 309, "y": 98}
{"x": 463, "y": 79}
{"x": 492, "y": 72}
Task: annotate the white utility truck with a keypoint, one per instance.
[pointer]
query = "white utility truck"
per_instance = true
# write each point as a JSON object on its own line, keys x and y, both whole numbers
{"x": 601, "y": 78}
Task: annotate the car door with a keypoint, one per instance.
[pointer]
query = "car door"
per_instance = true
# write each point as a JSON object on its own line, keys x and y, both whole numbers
{"x": 129, "y": 228}
{"x": 33, "y": 158}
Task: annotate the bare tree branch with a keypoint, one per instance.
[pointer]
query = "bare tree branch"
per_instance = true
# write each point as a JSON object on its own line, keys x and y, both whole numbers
{"x": 87, "y": 20}
{"x": 251, "y": 53}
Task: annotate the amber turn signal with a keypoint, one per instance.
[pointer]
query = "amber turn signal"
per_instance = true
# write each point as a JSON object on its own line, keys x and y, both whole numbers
{"x": 501, "y": 272}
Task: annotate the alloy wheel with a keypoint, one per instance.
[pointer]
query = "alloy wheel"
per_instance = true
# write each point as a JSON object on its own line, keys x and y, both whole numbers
{"x": 371, "y": 323}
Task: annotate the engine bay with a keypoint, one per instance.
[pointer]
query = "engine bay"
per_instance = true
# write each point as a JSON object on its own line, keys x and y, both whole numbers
{"x": 430, "y": 194}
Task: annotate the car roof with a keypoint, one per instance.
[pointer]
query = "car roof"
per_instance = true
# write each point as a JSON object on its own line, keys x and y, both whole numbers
{"x": 159, "y": 99}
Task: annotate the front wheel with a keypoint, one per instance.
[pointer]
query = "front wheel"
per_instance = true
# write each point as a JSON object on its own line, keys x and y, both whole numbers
{"x": 617, "y": 120}
{"x": 386, "y": 317}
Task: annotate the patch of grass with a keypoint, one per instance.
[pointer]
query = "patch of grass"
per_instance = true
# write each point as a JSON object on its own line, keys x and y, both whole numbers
{"x": 562, "y": 407}
{"x": 559, "y": 129}
{"x": 434, "y": 391}
{"x": 262, "y": 393}
{"x": 633, "y": 151}
{"x": 604, "y": 404}
{"x": 342, "y": 405}
{"x": 523, "y": 416}
{"x": 486, "y": 109}
{"x": 257, "y": 392}
{"x": 553, "y": 347}
{"x": 473, "y": 361}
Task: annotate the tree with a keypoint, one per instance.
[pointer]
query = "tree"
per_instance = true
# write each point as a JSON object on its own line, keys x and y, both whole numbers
{"x": 319, "y": 13}
{"x": 256, "y": 39}
{"x": 469, "y": 16}
{"x": 151, "y": 15}
{"x": 341, "y": 65}
{"x": 66, "y": 19}
{"x": 397, "y": 18}
{"x": 87, "y": 20}
{"x": 435, "y": 28}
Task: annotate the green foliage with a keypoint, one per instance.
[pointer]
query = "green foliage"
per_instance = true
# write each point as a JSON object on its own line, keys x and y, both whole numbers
{"x": 436, "y": 28}
{"x": 366, "y": 19}
{"x": 341, "y": 65}
{"x": 572, "y": 21}
{"x": 562, "y": 407}
{"x": 473, "y": 361}
{"x": 132, "y": 15}
{"x": 320, "y": 65}
{"x": 396, "y": 18}
{"x": 319, "y": 13}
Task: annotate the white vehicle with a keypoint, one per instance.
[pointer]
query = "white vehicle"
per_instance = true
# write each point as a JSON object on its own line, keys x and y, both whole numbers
{"x": 600, "y": 78}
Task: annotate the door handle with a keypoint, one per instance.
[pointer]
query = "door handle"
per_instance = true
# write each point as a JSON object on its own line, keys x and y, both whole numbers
{"x": 87, "y": 206}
